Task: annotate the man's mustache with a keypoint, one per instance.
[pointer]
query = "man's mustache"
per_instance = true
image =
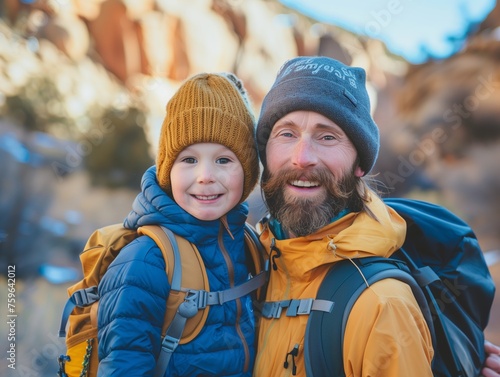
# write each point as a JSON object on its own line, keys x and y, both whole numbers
{"x": 323, "y": 176}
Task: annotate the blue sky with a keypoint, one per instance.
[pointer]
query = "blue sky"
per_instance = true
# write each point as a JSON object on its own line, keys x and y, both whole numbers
{"x": 413, "y": 29}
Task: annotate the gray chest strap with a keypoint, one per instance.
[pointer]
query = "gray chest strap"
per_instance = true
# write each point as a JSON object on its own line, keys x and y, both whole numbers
{"x": 273, "y": 309}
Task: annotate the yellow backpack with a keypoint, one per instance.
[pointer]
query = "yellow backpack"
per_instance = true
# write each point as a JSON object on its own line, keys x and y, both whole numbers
{"x": 187, "y": 305}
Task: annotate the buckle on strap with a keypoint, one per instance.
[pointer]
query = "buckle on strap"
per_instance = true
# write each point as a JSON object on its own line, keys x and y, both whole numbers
{"x": 200, "y": 297}
{"x": 273, "y": 309}
{"x": 85, "y": 297}
{"x": 169, "y": 344}
{"x": 193, "y": 301}
{"x": 299, "y": 307}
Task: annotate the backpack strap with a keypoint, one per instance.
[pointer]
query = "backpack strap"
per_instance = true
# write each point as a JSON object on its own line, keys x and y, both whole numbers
{"x": 255, "y": 249}
{"x": 82, "y": 297}
{"x": 343, "y": 285}
{"x": 169, "y": 246}
{"x": 182, "y": 303}
{"x": 260, "y": 261}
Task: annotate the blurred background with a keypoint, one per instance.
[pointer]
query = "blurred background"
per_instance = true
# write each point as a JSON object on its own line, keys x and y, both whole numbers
{"x": 83, "y": 89}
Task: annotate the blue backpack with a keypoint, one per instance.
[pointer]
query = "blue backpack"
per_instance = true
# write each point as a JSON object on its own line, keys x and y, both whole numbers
{"x": 443, "y": 264}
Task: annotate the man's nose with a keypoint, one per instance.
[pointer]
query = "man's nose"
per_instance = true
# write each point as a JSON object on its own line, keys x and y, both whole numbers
{"x": 304, "y": 153}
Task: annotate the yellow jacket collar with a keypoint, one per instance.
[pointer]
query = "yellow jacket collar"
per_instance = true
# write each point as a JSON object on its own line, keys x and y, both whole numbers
{"x": 355, "y": 235}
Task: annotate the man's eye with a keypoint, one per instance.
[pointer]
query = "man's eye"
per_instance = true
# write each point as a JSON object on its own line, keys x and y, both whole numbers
{"x": 329, "y": 137}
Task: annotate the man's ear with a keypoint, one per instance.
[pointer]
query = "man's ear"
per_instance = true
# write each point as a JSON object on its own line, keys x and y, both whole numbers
{"x": 358, "y": 172}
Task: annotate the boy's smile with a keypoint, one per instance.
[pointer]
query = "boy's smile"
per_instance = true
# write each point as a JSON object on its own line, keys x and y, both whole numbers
{"x": 207, "y": 180}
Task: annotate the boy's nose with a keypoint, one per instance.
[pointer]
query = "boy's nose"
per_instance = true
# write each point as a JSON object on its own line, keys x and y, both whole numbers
{"x": 205, "y": 173}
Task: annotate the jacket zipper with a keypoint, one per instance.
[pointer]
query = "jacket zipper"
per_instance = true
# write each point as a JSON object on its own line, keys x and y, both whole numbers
{"x": 274, "y": 254}
{"x": 293, "y": 353}
{"x": 230, "y": 269}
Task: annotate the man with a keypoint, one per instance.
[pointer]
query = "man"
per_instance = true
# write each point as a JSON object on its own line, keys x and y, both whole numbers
{"x": 317, "y": 140}
{"x": 492, "y": 364}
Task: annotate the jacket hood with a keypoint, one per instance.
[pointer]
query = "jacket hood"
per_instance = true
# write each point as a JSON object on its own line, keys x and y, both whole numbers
{"x": 355, "y": 235}
{"x": 153, "y": 206}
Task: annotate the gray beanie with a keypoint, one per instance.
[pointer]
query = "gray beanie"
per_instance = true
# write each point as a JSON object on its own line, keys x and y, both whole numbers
{"x": 330, "y": 88}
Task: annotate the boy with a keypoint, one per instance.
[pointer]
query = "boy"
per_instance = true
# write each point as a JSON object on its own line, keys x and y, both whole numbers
{"x": 206, "y": 167}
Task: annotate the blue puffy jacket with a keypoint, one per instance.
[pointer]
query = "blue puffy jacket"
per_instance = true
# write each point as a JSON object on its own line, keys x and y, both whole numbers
{"x": 135, "y": 288}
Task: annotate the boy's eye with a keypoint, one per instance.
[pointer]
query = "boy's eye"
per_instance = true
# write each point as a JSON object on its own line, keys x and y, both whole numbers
{"x": 223, "y": 160}
{"x": 189, "y": 160}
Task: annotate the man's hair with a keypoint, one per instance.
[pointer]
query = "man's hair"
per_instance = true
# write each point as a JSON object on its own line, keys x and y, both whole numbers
{"x": 361, "y": 197}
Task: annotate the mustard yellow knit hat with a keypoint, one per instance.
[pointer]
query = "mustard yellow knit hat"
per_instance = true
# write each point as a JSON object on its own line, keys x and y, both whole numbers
{"x": 209, "y": 108}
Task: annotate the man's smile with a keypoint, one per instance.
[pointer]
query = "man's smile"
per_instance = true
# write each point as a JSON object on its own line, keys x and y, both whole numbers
{"x": 306, "y": 184}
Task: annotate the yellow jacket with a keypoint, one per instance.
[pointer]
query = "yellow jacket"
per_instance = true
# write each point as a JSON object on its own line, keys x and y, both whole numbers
{"x": 386, "y": 334}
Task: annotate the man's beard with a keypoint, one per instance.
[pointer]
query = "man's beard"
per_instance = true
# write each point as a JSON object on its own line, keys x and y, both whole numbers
{"x": 302, "y": 216}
